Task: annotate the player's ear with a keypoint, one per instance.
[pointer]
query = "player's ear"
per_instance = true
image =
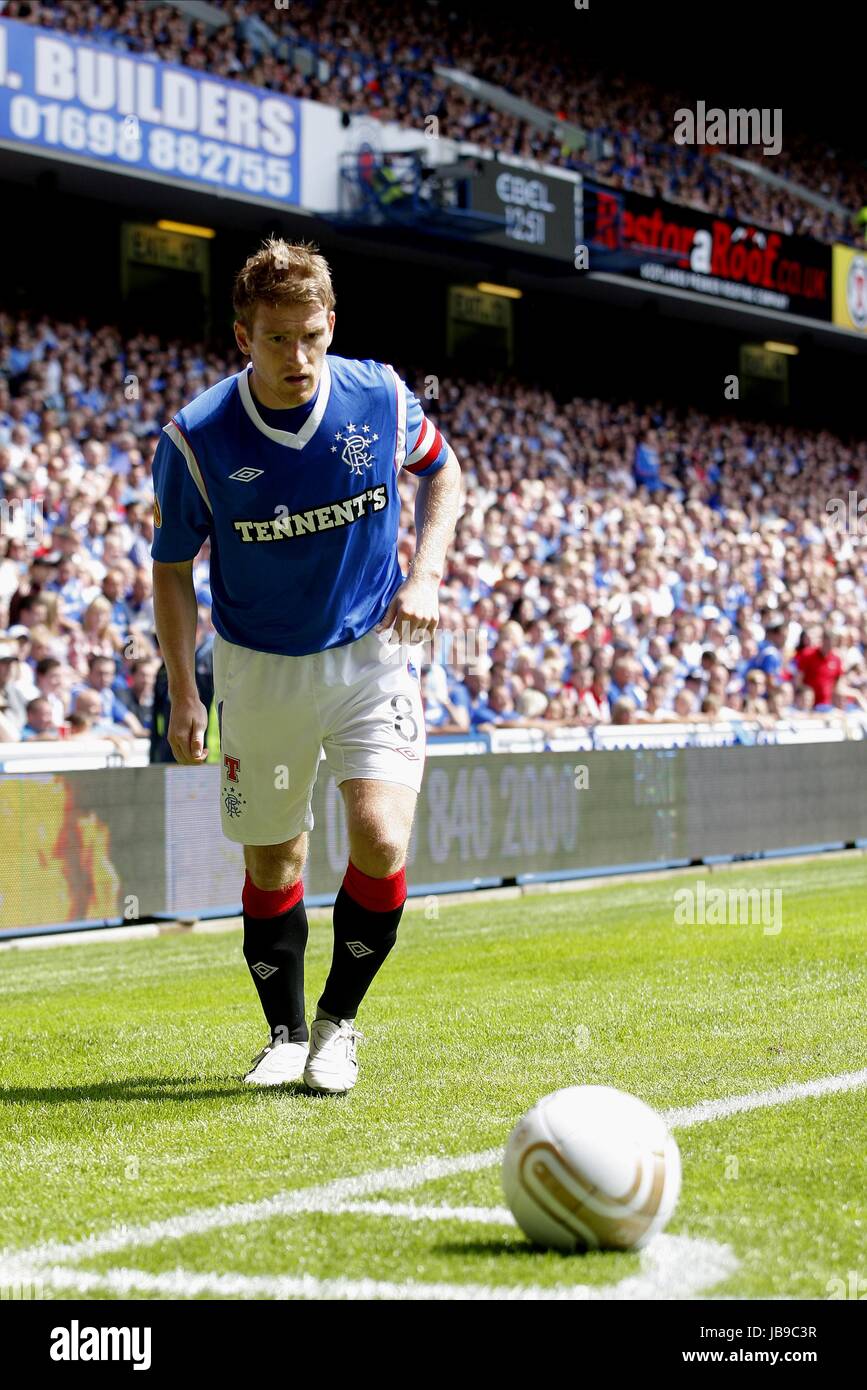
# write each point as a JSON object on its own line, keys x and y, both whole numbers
{"x": 241, "y": 337}
{"x": 331, "y": 321}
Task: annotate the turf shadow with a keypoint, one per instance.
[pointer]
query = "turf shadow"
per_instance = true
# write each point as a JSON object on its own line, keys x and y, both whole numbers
{"x": 138, "y": 1088}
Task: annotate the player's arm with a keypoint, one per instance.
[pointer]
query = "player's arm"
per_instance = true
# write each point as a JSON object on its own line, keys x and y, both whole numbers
{"x": 414, "y": 610}
{"x": 182, "y": 521}
{"x": 176, "y": 615}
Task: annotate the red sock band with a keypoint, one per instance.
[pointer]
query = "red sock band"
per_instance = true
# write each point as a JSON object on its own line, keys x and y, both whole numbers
{"x": 269, "y": 902}
{"x": 376, "y": 894}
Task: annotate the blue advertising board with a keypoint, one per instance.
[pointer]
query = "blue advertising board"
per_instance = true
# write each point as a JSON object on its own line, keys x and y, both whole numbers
{"x": 64, "y": 98}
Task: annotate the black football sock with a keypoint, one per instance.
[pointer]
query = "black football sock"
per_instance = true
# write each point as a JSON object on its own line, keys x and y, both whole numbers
{"x": 332, "y": 1018}
{"x": 275, "y": 938}
{"x": 366, "y": 914}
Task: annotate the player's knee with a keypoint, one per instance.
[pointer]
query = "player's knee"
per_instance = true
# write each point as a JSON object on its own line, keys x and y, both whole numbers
{"x": 378, "y": 853}
{"x": 276, "y": 866}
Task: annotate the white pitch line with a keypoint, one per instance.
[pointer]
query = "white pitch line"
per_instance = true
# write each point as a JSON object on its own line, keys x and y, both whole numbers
{"x": 294, "y": 1203}
{"x": 414, "y": 1211}
{"x": 671, "y": 1267}
{"x": 15, "y": 1264}
{"x": 687, "y": 1116}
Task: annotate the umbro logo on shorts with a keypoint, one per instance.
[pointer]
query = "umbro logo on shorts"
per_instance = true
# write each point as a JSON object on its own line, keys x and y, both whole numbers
{"x": 359, "y": 949}
{"x": 264, "y": 971}
{"x": 246, "y": 475}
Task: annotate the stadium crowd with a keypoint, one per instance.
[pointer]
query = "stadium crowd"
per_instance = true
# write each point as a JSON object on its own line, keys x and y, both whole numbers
{"x": 614, "y": 562}
{"x": 379, "y": 59}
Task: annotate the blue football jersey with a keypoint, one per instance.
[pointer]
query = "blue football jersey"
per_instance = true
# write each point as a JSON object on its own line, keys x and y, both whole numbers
{"x": 303, "y": 526}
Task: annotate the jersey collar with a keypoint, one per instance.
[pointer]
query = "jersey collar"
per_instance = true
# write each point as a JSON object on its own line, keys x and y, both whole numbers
{"x": 311, "y": 424}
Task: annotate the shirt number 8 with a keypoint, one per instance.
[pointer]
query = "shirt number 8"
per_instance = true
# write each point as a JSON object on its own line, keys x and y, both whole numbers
{"x": 405, "y": 724}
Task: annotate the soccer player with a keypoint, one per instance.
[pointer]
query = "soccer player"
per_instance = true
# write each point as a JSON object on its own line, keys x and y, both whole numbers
{"x": 290, "y": 466}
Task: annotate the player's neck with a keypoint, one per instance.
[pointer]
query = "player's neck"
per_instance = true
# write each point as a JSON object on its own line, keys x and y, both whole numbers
{"x": 263, "y": 396}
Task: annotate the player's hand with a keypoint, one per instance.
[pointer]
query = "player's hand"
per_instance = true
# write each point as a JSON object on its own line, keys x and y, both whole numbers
{"x": 186, "y": 734}
{"x": 413, "y": 612}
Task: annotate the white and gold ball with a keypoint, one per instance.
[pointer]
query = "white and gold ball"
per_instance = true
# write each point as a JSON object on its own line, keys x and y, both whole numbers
{"x": 591, "y": 1168}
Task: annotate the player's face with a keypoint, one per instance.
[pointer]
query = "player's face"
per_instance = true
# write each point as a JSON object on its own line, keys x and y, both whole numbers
{"x": 287, "y": 345}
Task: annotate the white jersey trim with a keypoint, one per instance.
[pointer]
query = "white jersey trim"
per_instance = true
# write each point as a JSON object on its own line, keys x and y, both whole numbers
{"x": 400, "y": 402}
{"x": 311, "y": 424}
{"x": 180, "y": 443}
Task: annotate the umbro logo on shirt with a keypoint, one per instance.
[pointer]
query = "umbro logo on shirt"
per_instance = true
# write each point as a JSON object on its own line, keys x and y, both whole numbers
{"x": 264, "y": 971}
{"x": 246, "y": 475}
{"x": 359, "y": 949}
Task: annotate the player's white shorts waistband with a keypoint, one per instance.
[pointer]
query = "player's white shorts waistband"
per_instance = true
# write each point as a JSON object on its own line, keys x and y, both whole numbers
{"x": 359, "y": 703}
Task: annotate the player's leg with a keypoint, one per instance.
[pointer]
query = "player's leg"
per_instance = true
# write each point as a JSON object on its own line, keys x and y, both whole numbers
{"x": 367, "y": 912}
{"x": 370, "y": 902}
{"x": 270, "y": 749}
{"x": 275, "y": 939}
{"x": 375, "y": 748}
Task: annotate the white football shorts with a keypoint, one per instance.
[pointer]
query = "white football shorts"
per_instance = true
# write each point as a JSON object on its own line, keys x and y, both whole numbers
{"x": 359, "y": 703}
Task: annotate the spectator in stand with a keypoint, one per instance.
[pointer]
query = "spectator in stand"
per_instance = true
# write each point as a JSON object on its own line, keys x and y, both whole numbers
{"x": 657, "y": 708}
{"x": 778, "y": 706}
{"x": 99, "y": 636}
{"x": 534, "y": 705}
{"x": 624, "y": 683}
{"x": 87, "y": 707}
{"x": 820, "y": 668}
{"x": 755, "y": 703}
{"x": 770, "y": 657}
{"x": 456, "y": 684}
{"x": 28, "y": 610}
{"x": 49, "y": 683}
{"x": 498, "y": 709}
{"x": 441, "y": 715}
{"x": 624, "y": 711}
{"x": 138, "y": 696}
{"x": 40, "y": 724}
{"x": 685, "y": 706}
{"x": 709, "y": 709}
{"x": 108, "y": 706}
{"x": 139, "y": 605}
{"x": 803, "y": 701}
{"x": 14, "y": 701}
{"x": 113, "y": 591}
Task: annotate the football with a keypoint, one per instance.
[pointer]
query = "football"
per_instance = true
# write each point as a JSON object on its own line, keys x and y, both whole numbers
{"x": 591, "y": 1168}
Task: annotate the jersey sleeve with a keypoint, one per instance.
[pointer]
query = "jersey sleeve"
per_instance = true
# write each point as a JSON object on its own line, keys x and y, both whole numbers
{"x": 182, "y": 518}
{"x": 426, "y": 450}
{"x": 421, "y": 448}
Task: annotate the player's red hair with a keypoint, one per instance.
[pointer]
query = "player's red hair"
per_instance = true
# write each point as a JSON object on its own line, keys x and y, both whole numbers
{"x": 282, "y": 272}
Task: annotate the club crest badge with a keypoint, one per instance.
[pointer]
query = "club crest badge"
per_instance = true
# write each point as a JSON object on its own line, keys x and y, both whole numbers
{"x": 355, "y": 452}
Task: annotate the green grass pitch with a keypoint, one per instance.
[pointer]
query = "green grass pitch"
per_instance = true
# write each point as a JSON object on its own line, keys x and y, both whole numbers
{"x": 123, "y": 1105}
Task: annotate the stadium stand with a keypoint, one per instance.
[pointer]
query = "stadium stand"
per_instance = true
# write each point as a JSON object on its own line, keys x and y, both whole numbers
{"x": 616, "y": 562}
{"x": 382, "y": 59}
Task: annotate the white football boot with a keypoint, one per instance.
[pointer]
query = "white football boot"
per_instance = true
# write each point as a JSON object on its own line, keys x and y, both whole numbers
{"x": 331, "y": 1065}
{"x": 278, "y": 1063}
